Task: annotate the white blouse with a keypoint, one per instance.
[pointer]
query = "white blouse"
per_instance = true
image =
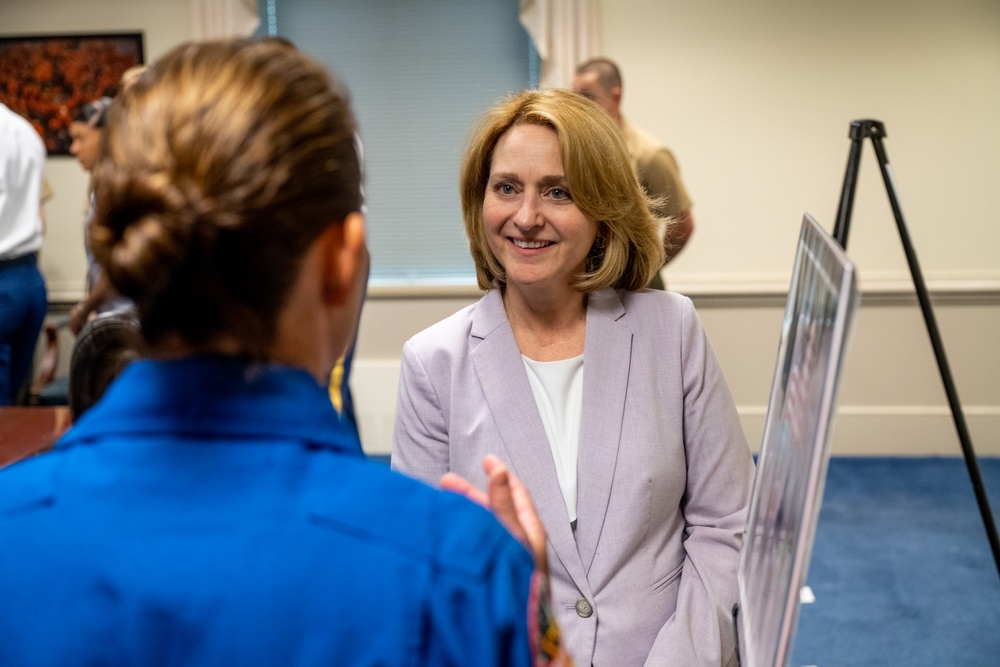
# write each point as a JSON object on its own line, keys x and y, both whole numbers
{"x": 558, "y": 390}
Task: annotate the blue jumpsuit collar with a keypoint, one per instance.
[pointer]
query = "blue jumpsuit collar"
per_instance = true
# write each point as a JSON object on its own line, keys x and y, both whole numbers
{"x": 222, "y": 396}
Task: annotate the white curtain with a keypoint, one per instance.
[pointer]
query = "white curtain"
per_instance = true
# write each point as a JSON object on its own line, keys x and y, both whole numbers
{"x": 565, "y": 32}
{"x": 223, "y": 18}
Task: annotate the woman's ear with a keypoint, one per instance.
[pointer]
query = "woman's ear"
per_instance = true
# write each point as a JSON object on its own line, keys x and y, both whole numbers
{"x": 345, "y": 259}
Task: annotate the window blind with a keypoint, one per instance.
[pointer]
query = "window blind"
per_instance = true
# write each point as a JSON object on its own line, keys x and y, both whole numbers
{"x": 420, "y": 73}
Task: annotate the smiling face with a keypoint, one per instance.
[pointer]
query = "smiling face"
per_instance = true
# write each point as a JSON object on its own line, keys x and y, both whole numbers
{"x": 533, "y": 227}
{"x": 86, "y": 140}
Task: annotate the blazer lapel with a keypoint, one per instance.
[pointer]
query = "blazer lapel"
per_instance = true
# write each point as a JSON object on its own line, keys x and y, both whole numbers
{"x": 607, "y": 358}
{"x": 501, "y": 373}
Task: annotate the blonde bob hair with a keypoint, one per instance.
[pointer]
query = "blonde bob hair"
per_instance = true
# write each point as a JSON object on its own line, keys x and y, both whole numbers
{"x": 601, "y": 179}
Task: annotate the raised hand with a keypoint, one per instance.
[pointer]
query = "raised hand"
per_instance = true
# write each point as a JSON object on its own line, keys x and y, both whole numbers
{"x": 510, "y": 501}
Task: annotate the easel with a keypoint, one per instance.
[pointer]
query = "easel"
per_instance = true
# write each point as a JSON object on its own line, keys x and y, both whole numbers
{"x": 875, "y": 130}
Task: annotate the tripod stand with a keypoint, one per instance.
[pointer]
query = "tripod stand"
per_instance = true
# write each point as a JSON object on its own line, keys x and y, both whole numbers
{"x": 875, "y": 130}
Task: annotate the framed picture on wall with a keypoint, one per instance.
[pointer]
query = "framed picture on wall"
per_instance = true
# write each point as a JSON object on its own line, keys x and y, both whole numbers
{"x": 47, "y": 78}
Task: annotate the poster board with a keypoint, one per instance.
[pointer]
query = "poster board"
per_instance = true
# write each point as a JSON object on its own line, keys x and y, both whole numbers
{"x": 791, "y": 467}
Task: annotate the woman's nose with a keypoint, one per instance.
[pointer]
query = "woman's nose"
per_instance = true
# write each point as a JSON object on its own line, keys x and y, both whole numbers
{"x": 527, "y": 213}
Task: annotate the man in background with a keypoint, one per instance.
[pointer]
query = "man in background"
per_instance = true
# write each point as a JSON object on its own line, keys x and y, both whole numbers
{"x": 23, "y": 300}
{"x": 600, "y": 80}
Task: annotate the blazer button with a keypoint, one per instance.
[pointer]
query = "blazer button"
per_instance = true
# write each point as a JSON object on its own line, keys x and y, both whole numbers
{"x": 583, "y": 608}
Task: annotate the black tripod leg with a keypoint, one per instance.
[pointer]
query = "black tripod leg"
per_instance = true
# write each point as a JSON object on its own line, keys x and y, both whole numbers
{"x": 843, "y": 224}
{"x": 939, "y": 354}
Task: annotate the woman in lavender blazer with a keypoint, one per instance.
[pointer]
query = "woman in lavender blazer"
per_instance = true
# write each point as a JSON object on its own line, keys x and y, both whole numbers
{"x": 605, "y": 398}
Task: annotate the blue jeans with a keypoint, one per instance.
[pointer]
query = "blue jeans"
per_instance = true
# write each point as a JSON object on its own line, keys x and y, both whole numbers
{"x": 23, "y": 303}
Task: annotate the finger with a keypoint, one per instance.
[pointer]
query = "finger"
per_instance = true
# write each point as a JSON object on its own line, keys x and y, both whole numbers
{"x": 528, "y": 519}
{"x": 499, "y": 491}
{"x": 513, "y": 506}
{"x": 492, "y": 462}
{"x": 457, "y": 484}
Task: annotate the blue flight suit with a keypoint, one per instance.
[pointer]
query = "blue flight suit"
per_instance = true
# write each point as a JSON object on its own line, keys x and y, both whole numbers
{"x": 210, "y": 512}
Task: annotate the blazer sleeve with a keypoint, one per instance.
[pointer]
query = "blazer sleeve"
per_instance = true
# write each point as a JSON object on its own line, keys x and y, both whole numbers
{"x": 420, "y": 434}
{"x": 720, "y": 474}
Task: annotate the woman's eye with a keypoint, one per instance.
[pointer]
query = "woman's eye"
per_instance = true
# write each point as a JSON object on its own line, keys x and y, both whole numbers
{"x": 559, "y": 193}
{"x": 505, "y": 189}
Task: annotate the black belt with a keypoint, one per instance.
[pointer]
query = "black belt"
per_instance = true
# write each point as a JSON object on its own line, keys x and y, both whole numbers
{"x": 30, "y": 258}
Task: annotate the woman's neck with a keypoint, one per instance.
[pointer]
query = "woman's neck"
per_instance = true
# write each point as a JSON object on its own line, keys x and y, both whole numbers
{"x": 547, "y": 329}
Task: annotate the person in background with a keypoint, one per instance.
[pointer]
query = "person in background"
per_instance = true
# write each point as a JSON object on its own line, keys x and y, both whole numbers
{"x": 605, "y": 398}
{"x": 211, "y": 508}
{"x": 600, "y": 80}
{"x": 86, "y": 130}
{"x": 101, "y": 297}
{"x": 23, "y": 298}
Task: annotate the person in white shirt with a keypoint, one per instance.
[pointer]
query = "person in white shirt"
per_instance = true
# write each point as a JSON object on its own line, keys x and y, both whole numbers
{"x": 23, "y": 299}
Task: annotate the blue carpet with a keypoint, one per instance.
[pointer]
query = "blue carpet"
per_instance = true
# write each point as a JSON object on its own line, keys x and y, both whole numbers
{"x": 901, "y": 567}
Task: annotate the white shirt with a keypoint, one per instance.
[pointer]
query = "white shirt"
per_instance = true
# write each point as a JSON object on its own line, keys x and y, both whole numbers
{"x": 558, "y": 390}
{"x": 22, "y": 159}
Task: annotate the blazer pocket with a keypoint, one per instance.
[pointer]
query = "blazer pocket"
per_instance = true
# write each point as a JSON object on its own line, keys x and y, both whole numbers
{"x": 667, "y": 582}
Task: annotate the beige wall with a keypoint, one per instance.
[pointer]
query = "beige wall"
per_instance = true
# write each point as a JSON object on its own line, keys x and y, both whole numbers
{"x": 892, "y": 400}
{"x": 755, "y": 99}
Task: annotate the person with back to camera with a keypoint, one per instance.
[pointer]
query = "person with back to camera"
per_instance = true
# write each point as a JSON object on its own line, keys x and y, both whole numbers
{"x": 211, "y": 508}
{"x": 605, "y": 398}
{"x": 600, "y": 80}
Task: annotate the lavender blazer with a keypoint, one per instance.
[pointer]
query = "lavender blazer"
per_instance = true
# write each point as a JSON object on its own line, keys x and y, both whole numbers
{"x": 664, "y": 470}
